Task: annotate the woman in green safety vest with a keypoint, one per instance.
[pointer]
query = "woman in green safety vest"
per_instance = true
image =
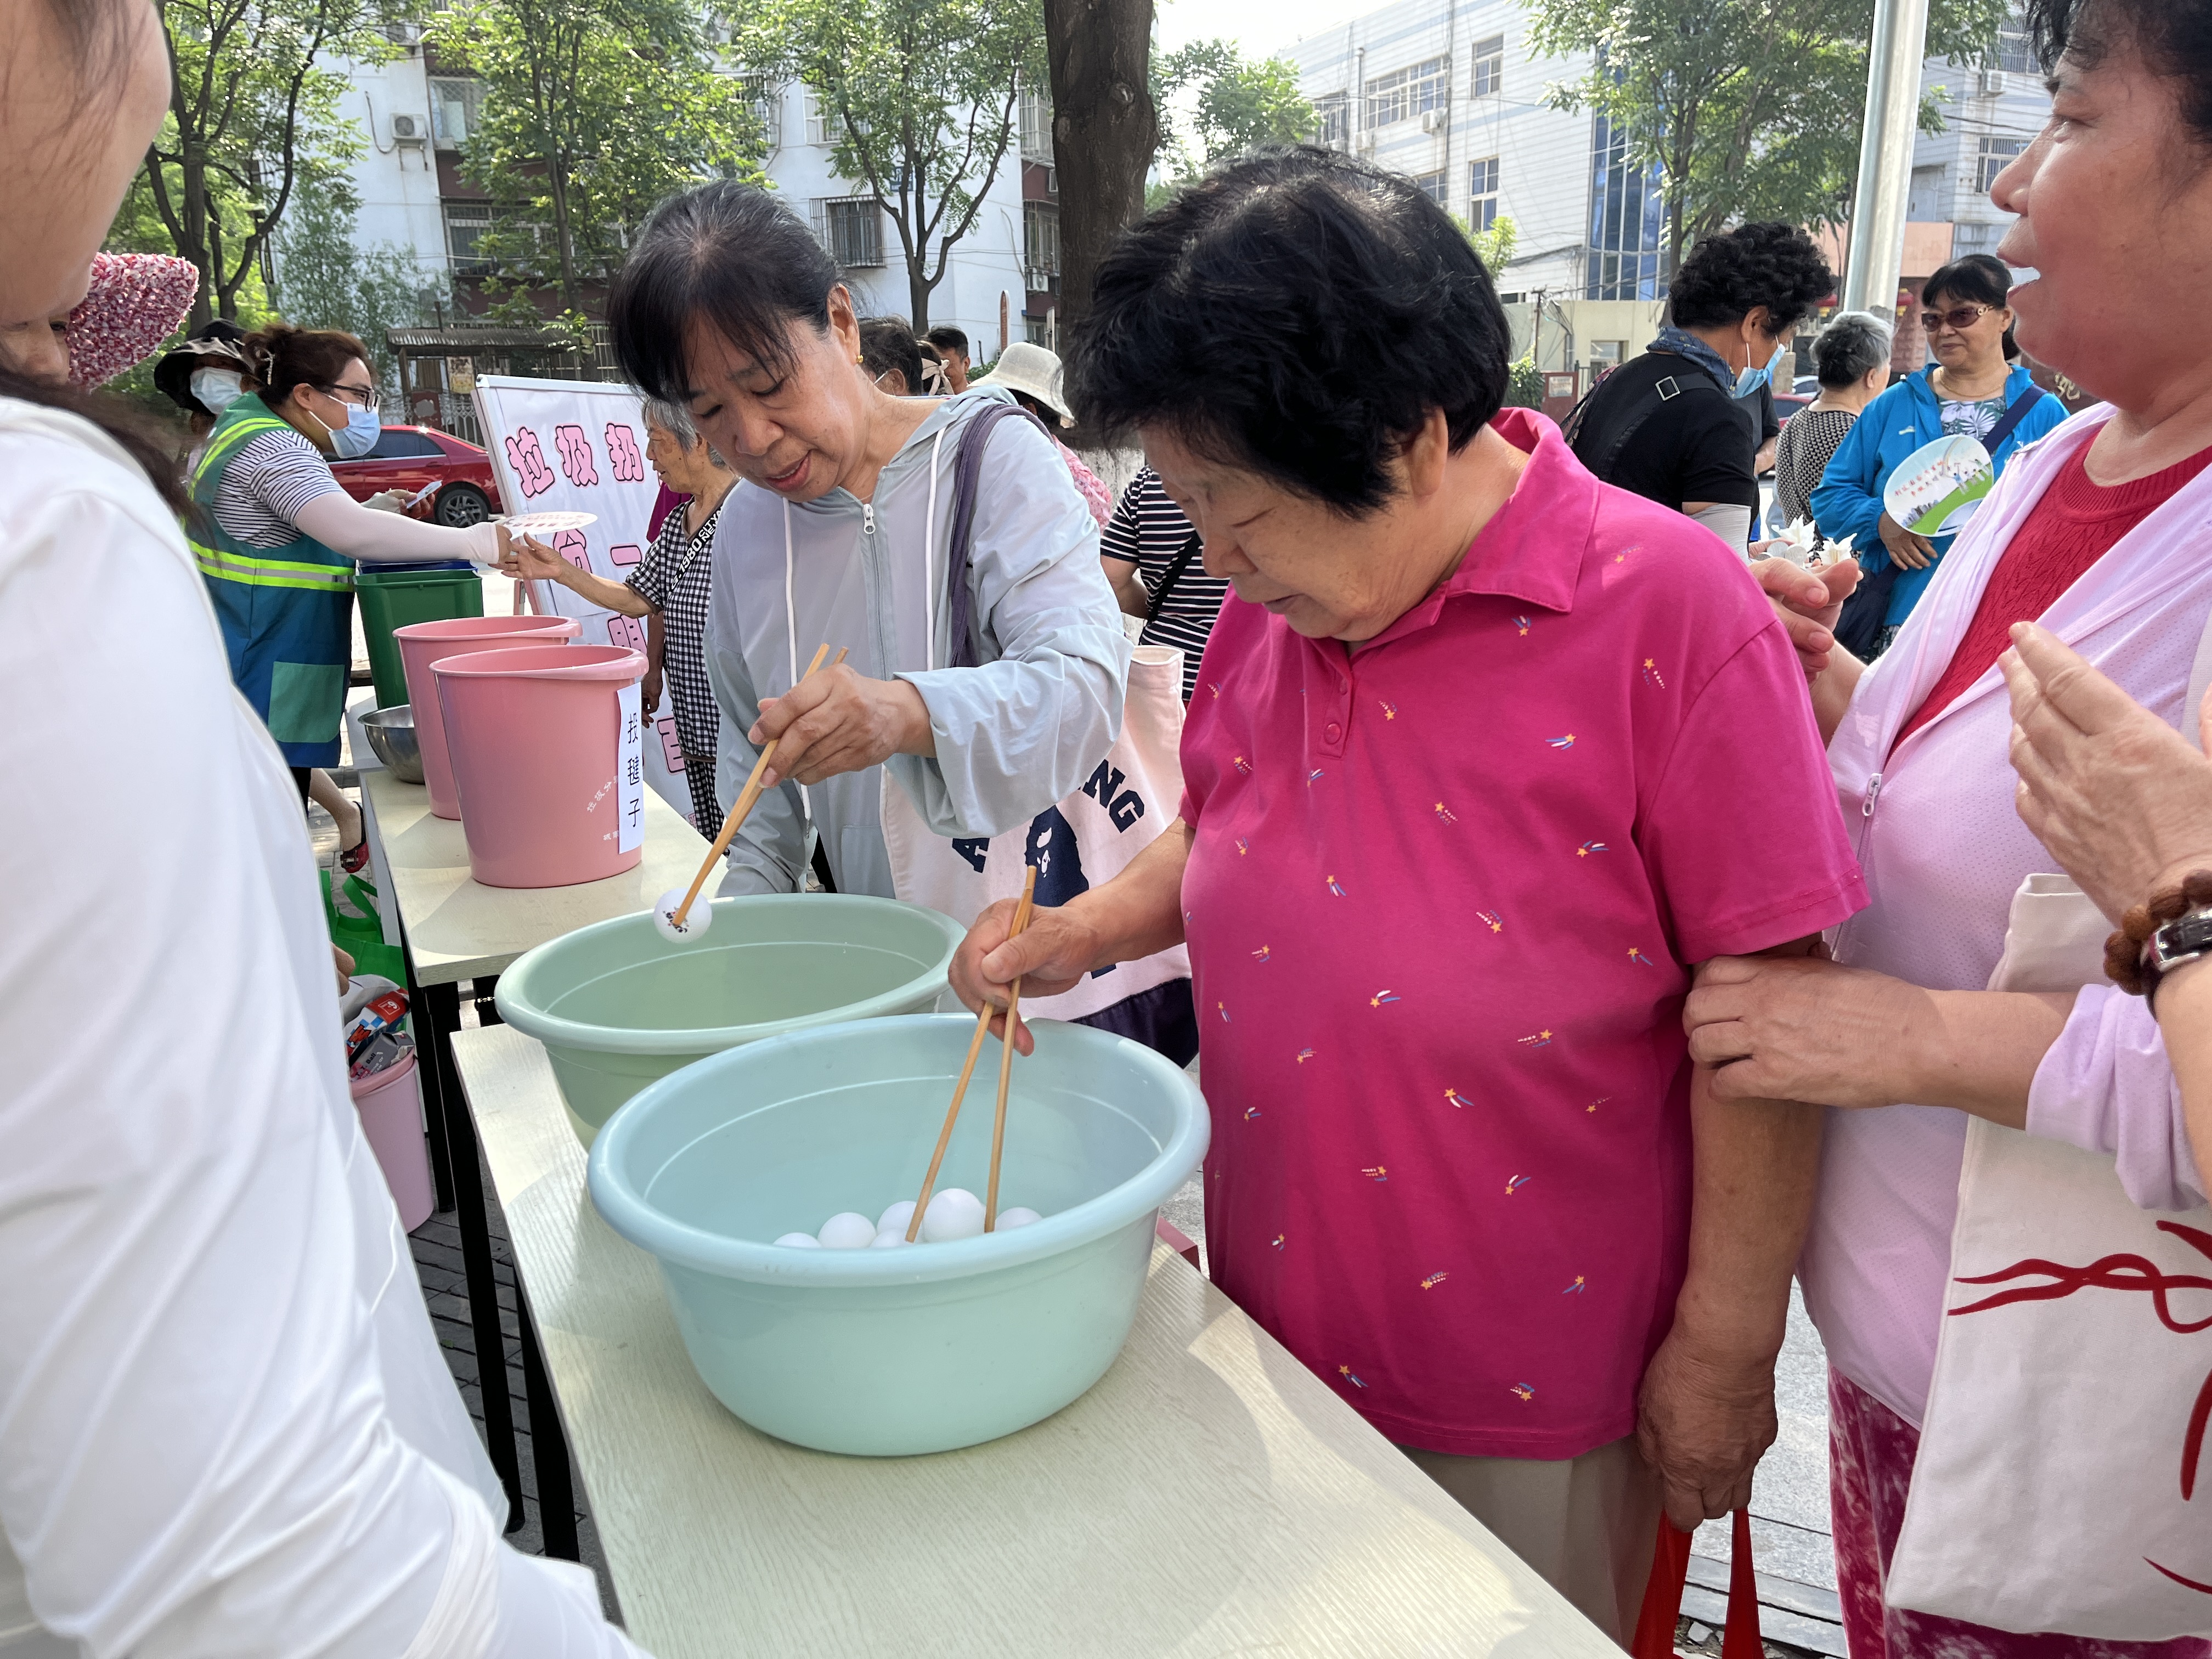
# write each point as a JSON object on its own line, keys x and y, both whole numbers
{"x": 276, "y": 536}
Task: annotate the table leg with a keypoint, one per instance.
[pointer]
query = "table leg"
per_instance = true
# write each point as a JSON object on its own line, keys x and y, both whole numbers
{"x": 433, "y": 1094}
{"x": 484, "y": 990}
{"x": 549, "y": 1443}
{"x": 444, "y": 1002}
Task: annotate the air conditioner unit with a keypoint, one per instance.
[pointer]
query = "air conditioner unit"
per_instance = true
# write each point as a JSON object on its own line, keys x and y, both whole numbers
{"x": 1435, "y": 120}
{"x": 409, "y": 130}
{"x": 1992, "y": 83}
{"x": 1363, "y": 142}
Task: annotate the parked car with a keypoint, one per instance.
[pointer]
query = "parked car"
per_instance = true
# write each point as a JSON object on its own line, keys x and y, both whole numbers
{"x": 1787, "y": 403}
{"x": 412, "y": 459}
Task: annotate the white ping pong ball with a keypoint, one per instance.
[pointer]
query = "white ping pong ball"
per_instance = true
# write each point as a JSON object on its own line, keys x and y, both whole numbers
{"x": 695, "y": 921}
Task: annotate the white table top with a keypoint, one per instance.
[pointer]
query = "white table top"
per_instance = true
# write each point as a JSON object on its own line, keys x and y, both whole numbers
{"x": 1209, "y": 1496}
{"x": 458, "y": 928}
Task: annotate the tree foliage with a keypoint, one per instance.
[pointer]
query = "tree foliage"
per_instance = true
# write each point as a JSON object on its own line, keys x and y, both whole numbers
{"x": 254, "y": 121}
{"x": 325, "y": 280}
{"x": 593, "y": 110}
{"x": 922, "y": 100}
{"x": 1242, "y": 103}
{"x": 1748, "y": 109}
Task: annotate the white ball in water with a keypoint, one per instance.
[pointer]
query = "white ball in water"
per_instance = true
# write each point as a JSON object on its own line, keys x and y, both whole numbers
{"x": 1017, "y": 1217}
{"x": 695, "y": 921}
{"x": 891, "y": 1238}
{"x": 956, "y": 1212}
{"x": 896, "y": 1217}
{"x": 799, "y": 1241}
{"x": 847, "y": 1231}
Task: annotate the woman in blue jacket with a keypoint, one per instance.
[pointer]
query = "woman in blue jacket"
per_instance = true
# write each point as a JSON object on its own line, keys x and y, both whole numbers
{"x": 1967, "y": 390}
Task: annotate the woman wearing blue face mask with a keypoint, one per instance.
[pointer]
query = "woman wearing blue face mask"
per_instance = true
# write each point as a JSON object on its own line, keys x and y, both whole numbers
{"x": 277, "y": 538}
{"x": 1667, "y": 424}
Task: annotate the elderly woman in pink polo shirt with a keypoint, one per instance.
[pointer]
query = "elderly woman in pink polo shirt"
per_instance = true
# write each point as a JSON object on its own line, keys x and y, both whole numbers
{"x": 1483, "y": 755}
{"x": 2098, "y": 534}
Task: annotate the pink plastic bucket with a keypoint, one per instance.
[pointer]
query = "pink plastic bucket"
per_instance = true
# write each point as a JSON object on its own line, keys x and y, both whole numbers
{"x": 390, "y": 1108}
{"x": 421, "y": 644}
{"x": 534, "y": 735}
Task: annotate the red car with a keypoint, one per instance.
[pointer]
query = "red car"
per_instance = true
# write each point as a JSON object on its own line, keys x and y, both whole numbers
{"x": 415, "y": 459}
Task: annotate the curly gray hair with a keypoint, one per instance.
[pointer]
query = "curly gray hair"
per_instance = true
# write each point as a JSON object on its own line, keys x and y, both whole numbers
{"x": 1850, "y": 348}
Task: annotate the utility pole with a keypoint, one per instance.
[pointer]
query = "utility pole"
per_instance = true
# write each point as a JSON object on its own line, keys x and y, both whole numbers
{"x": 1892, "y": 117}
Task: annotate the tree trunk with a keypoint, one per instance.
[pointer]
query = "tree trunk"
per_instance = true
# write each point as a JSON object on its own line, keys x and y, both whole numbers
{"x": 1105, "y": 131}
{"x": 917, "y": 265}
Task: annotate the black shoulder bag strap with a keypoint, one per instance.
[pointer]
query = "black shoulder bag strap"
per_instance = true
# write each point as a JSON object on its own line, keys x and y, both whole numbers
{"x": 1189, "y": 550}
{"x": 1663, "y": 391}
{"x": 2022, "y": 407}
{"x": 967, "y": 479}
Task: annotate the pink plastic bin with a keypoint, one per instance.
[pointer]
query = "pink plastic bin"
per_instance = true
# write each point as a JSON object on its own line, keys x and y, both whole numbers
{"x": 421, "y": 644}
{"x": 534, "y": 735}
{"x": 390, "y": 1108}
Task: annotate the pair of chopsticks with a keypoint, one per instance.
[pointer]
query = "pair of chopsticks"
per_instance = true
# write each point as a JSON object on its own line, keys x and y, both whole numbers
{"x": 743, "y": 803}
{"x": 968, "y": 1071}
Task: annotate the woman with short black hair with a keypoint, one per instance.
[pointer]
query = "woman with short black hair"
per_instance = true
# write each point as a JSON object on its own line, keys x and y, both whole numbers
{"x": 840, "y": 530}
{"x": 1734, "y": 305}
{"x": 1460, "y": 807}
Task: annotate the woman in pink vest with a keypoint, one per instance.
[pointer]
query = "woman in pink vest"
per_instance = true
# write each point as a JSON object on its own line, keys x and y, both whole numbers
{"x": 2098, "y": 532}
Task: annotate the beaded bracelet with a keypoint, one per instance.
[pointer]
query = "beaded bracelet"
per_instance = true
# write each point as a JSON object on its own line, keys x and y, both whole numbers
{"x": 2124, "y": 951}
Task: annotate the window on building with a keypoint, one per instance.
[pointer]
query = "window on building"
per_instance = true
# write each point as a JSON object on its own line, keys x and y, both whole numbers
{"x": 1041, "y": 246}
{"x": 821, "y": 119}
{"x": 1997, "y": 153}
{"x": 1406, "y": 93}
{"x": 454, "y": 104}
{"x": 1482, "y": 193}
{"x": 765, "y": 99}
{"x": 1431, "y": 185}
{"x": 466, "y": 225}
{"x": 1036, "y": 125}
{"x": 2015, "y": 52}
{"x": 1334, "y": 130}
{"x": 851, "y": 228}
{"x": 1489, "y": 65}
{"x": 1626, "y": 215}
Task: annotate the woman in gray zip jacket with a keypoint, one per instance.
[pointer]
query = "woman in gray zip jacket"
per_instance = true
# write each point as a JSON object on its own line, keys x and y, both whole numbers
{"x": 839, "y": 534}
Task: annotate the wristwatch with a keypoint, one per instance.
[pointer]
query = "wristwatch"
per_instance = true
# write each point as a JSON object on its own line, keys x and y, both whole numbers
{"x": 2176, "y": 944}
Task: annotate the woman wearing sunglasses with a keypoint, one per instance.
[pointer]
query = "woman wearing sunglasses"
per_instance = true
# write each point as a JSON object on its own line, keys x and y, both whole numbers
{"x": 1968, "y": 388}
{"x": 277, "y": 536}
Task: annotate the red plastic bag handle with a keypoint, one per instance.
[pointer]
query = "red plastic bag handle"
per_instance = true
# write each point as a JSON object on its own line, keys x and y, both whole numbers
{"x": 1662, "y": 1596}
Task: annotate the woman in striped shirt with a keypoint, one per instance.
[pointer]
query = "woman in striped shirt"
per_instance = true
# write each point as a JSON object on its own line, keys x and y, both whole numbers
{"x": 1150, "y": 555}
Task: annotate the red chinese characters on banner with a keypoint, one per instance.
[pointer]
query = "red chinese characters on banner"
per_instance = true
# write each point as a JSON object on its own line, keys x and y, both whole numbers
{"x": 578, "y": 465}
{"x": 623, "y": 453}
{"x": 626, "y": 631}
{"x": 626, "y": 553}
{"x": 528, "y": 461}
{"x": 569, "y": 545}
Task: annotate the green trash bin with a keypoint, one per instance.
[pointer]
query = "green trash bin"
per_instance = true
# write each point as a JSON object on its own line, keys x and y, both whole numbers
{"x": 392, "y": 600}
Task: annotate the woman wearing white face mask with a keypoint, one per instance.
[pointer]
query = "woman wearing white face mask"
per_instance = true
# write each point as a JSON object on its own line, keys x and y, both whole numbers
{"x": 276, "y": 536}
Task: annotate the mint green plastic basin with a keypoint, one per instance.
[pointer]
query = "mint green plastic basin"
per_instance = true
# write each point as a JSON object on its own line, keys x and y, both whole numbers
{"x": 928, "y": 1346}
{"x": 618, "y": 1006}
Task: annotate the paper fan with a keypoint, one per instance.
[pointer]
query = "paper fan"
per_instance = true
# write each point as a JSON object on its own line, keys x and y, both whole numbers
{"x": 547, "y": 524}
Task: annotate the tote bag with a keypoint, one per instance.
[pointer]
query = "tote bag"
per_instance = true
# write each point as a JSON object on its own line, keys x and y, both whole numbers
{"x": 1076, "y": 844}
{"x": 2057, "y": 1486}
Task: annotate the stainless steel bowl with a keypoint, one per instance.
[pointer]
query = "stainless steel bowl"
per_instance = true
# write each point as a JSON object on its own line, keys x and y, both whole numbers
{"x": 392, "y": 734}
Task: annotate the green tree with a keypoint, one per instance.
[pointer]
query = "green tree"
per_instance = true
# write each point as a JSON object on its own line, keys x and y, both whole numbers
{"x": 253, "y": 118}
{"x": 593, "y": 110}
{"x": 325, "y": 280}
{"x": 1748, "y": 109}
{"x": 1241, "y": 105}
{"x": 922, "y": 100}
{"x": 1495, "y": 245}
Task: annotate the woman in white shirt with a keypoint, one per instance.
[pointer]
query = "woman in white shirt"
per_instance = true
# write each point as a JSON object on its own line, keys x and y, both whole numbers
{"x": 225, "y": 1425}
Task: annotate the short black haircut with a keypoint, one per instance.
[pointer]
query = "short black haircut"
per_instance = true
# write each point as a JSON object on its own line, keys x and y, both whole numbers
{"x": 1299, "y": 313}
{"x": 886, "y": 342}
{"x": 1735, "y": 272}
{"x": 727, "y": 254}
{"x": 2173, "y": 36}
{"x": 945, "y": 337}
{"x": 1979, "y": 279}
